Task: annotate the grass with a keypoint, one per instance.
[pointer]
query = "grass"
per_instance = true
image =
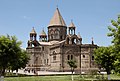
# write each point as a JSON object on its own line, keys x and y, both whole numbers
{"x": 59, "y": 78}
{"x": 39, "y": 78}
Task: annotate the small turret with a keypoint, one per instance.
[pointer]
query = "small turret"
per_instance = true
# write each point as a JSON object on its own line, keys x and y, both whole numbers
{"x": 43, "y": 36}
{"x": 71, "y": 28}
{"x": 33, "y": 35}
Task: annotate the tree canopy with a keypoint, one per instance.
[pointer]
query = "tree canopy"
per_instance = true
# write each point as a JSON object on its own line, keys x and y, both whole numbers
{"x": 11, "y": 55}
{"x": 105, "y": 57}
{"x": 72, "y": 65}
{"x": 115, "y": 34}
{"x": 109, "y": 57}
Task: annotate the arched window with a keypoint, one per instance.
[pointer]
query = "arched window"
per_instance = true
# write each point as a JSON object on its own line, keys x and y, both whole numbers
{"x": 83, "y": 56}
{"x": 71, "y": 57}
{"x": 54, "y": 57}
{"x": 42, "y": 48}
{"x": 47, "y": 61}
{"x": 51, "y": 34}
{"x": 74, "y": 40}
{"x": 54, "y": 53}
{"x": 68, "y": 57}
{"x": 57, "y": 36}
{"x": 61, "y": 37}
{"x": 92, "y": 57}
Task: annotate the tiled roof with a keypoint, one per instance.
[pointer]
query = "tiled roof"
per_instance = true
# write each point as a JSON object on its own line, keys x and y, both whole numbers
{"x": 57, "y": 19}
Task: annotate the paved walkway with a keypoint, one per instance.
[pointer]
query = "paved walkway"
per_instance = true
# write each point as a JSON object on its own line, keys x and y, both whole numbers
{"x": 40, "y": 72}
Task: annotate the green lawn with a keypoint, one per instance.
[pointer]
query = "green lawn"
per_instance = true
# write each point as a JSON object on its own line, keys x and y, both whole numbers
{"x": 58, "y": 78}
{"x": 40, "y": 78}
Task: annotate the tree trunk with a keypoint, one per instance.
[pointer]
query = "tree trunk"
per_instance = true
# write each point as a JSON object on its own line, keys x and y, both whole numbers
{"x": 108, "y": 75}
{"x": 72, "y": 77}
{"x": 17, "y": 72}
{"x": 2, "y": 73}
{"x": 72, "y": 70}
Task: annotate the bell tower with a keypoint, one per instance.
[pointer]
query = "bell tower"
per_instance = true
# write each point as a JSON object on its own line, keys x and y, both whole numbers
{"x": 71, "y": 28}
{"x": 57, "y": 28}
{"x": 43, "y": 36}
{"x": 33, "y": 35}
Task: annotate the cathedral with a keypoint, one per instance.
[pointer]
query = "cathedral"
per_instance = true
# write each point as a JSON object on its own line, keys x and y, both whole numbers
{"x": 52, "y": 52}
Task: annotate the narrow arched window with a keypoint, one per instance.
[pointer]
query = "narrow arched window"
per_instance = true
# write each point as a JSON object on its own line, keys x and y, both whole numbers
{"x": 68, "y": 57}
{"x": 71, "y": 57}
{"x": 92, "y": 57}
{"x": 57, "y": 36}
{"x": 54, "y": 57}
{"x": 43, "y": 48}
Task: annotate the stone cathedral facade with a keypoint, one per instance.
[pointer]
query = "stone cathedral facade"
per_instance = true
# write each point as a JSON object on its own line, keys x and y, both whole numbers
{"x": 52, "y": 52}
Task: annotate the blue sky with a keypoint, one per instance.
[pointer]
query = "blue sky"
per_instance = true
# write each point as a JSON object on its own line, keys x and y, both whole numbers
{"x": 91, "y": 17}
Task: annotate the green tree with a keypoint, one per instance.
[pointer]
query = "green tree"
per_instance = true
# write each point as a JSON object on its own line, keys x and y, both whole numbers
{"x": 115, "y": 34}
{"x": 20, "y": 61}
{"x": 11, "y": 54}
{"x": 72, "y": 65}
{"x": 105, "y": 57}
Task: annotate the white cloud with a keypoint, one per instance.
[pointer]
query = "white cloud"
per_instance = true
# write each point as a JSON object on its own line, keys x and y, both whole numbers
{"x": 25, "y": 17}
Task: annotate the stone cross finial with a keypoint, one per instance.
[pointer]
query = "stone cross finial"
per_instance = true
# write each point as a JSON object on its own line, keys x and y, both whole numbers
{"x": 92, "y": 41}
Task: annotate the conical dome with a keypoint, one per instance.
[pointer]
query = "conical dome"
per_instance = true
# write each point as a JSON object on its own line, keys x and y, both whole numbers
{"x": 71, "y": 25}
{"x": 33, "y": 31}
{"x": 57, "y": 19}
{"x": 43, "y": 33}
